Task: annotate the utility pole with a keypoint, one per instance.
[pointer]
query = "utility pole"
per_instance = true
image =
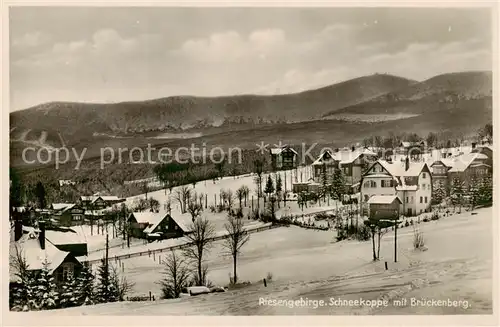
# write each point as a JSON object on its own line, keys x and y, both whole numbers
{"x": 107, "y": 252}
{"x": 396, "y": 240}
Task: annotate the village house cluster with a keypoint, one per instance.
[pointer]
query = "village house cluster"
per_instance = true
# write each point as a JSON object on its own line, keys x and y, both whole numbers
{"x": 385, "y": 184}
{"x": 393, "y": 182}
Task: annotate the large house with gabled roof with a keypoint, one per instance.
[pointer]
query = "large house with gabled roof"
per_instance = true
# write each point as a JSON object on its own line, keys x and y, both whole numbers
{"x": 465, "y": 168}
{"x": 352, "y": 163}
{"x": 410, "y": 181}
{"x": 35, "y": 245}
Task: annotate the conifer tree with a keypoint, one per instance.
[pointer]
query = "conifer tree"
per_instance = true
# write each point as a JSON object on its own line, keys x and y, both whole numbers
{"x": 69, "y": 295}
{"x": 269, "y": 189}
{"x": 106, "y": 289}
{"x": 337, "y": 190}
{"x": 85, "y": 287}
{"x": 46, "y": 295}
{"x": 22, "y": 295}
{"x": 457, "y": 193}
{"x": 438, "y": 193}
{"x": 485, "y": 190}
{"x": 279, "y": 188}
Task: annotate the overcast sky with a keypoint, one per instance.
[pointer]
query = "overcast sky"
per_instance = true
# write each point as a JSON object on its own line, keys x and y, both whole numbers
{"x": 121, "y": 54}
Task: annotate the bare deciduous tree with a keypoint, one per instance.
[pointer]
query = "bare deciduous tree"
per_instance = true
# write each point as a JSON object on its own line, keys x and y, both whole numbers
{"x": 194, "y": 207}
{"x": 246, "y": 193}
{"x": 182, "y": 195}
{"x": 229, "y": 199}
{"x": 176, "y": 276}
{"x": 240, "y": 194}
{"x": 258, "y": 168}
{"x": 122, "y": 285}
{"x": 201, "y": 237}
{"x": 237, "y": 237}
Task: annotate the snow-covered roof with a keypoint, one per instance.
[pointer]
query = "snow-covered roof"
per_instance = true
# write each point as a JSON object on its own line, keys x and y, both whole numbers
{"x": 406, "y": 187}
{"x": 321, "y": 157}
{"x": 58, "y": 238}
{"x": 30, "y": 230}
{"x": 154, "y": 221}
{"x": 405, "y": 144}
{"x": 480, "y": 165}
{"x": 30, "y": 249}
{"x": 93, "y": 198}
{"x": 415, "y": 169}
{"x": 382, "y": 199}
{"x": 63, "y": 207}
{"x": 462, "y": 162}
{"x": 110, "y": 198}
{"x": 395, "y": 169}
{"x": 100, "y": 212}
{"x": 346, "y": 157}
{"x": 148, "y": 217}
{"x": 378, "y": 175}
{"x": 184, "y": 221}
{"x": 447, "y": 162}
{"x": 284, "y": 148}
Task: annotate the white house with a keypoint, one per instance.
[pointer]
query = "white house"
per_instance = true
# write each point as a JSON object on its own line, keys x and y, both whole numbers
{"x": 410, "y": 181}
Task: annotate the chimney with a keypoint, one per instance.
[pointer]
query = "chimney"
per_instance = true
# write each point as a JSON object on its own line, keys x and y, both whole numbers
{"x": 18, "y": 229}
{"x": 41, "y": 236}
{"x": 337, "y": 149}
{"x": 353, "y": 148}
{"x": 473, "y": 145}
{"x": 407, "y": 164}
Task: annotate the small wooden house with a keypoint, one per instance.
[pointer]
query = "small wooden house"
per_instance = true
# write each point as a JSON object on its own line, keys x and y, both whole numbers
{"x": 68, "y": 214}
{"x": 283, "y": 158}
{"x": 34, "y": 247}
{"x": 159, "y": 225}
{"x": 384, "y": 206}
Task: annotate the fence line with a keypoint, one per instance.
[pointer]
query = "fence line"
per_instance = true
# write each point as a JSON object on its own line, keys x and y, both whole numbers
{"x": 179, "y": 246}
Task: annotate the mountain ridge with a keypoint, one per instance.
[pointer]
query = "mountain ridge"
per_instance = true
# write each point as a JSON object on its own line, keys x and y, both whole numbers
{"x": 177, "y": 113}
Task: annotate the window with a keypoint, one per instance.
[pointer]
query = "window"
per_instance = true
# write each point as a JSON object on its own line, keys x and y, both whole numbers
{"x": 387, "y": 183}
{"x": 424, "y": 175}
{"x": 175, "y": 227}
{"x": 373, "y": 183}
{"x": 67, "y": 270}
{"x": 411, "y": 199}
{"x": 366, "y": 197}
{"x": 425, "y": 199}
{"x": 423, "y": 187}
{"x": 77, "y": 217}
{"x": 421, "y": 199}
{"x": 407, "y": 200}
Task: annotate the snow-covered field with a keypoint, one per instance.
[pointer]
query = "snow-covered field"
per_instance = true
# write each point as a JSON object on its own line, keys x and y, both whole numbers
{"x": 306, "y": 264}
{"x": 211, "y": 189}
